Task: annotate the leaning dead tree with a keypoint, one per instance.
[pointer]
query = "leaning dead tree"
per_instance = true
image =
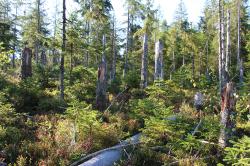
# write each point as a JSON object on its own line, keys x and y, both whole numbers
{"x": 228, "y": 103}
{"x": 26, "y": 69}
{"x": 158, "y": 61}
{"x": 101, "y": 100}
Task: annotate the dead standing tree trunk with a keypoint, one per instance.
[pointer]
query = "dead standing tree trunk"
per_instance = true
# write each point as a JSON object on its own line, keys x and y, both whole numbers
{"x": 228, "y": 51}
{"x": 26, "y": 69}
{"x": 144, "y": 67}
{"x": 158, "y": 61}
{"x": 239, "y": 59}
{"x": 127, "y": 47}
{"x": 63, "y": 51}
{"x": 113, "y": 52}
{"x": 101, "y": 100}
{"x": 193, "y": 66}
{"x": 44, "y": 58}
{"x": 227, "y": 108}
{"x": 37, "y": 42}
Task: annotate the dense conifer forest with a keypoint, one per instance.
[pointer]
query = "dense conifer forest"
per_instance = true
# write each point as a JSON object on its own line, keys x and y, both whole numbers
{"x": 82, "y": 89}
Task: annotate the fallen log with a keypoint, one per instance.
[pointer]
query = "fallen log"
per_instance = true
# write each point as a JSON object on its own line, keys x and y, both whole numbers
{"x": 109, "y": 156}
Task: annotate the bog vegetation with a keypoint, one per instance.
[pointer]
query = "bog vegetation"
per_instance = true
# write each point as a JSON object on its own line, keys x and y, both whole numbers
{"x": 78, "y": 83}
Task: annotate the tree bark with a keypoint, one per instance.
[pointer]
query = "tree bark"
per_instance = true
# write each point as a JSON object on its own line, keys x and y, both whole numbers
{"x": 127, "y": 46}
{"x": 193, "y": 67}
{"x": 223, "y": 76}
{"x": 63, "y": 51}
{"x": 227, "y": 108}
{"x": 101, "y": 99}
{"x": 71, "y": 62}
{"x": 144, "y": 67}
{"x": 200, "y": 63}
{"x": 26, "y": 66}
{"x": 113, "y": 70}
{"x": 228, "y": 51}
{"x": 238, "y": 36}
{"x": 37, "y": 43}
{"x": 88, "y": 42}
{"x": 158, "y": 61}
{"x": 239, "y": 59}
{"x": 207, "y": 61}
{"x": 43, "y": 58}
{"x": 15, "y": 40}
{"x": 173, "y": 65}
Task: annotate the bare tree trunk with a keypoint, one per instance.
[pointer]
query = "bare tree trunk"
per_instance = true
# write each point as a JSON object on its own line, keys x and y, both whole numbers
{"x": 44, "y": 58}
{"x": 193, "y": 67}
{"x": 207, "y": 61}
{"x": 228, "y": 51}
{"x": 113, "y": 70}
{"x": 200, "y": 64}
{"x": 101, "y": 99}
{"x": 223, "y": 76}
{"x": 158, "y": 61}
{"x": 241, "y": 72}
{"x": 183, "y": 60}
{"x": 54, "y": 51}
{"x": 37, "y": 43}
{"x": 26, "y": 63}
{"x": 71, "y": 62}
{"x": 173, "y": 65}
{"x": 239, "y": 59}
{"x": 144, "y": 67}
{"x": 127, "y": 46}
{"x": 238, "y": 36}
{"x": 227, "y": 108}
{"x": 63, "y": 51}
{"x": 88, "y": 42}
{"x": 15, "y": 40}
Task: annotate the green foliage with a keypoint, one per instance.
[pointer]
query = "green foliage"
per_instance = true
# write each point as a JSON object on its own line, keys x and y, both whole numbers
{"x": 115, "y": 85}
{"x": 88, "y": 125}
{"x": 132, "y": 79}
{"x": 84, "y": 85}
{"x": 239, "y": 154}
{"x": 4, "y": 56}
